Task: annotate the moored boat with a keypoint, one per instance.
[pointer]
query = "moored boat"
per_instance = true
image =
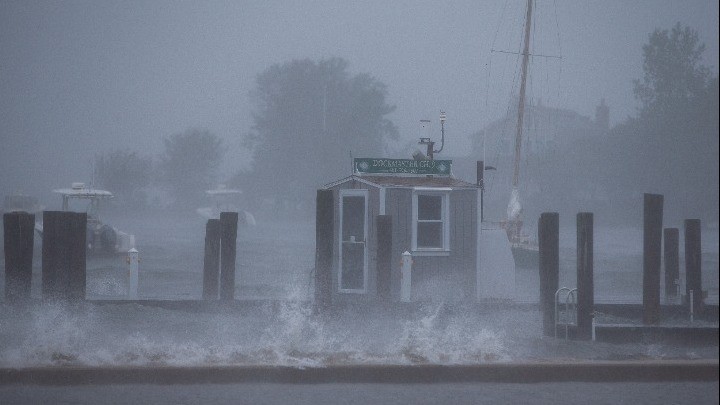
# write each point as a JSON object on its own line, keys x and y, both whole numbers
{"x": 225, "y": 200}
{"x": 102, "y": 238}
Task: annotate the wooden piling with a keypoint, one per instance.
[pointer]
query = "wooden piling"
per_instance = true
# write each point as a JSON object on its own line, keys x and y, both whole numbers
{"x": 211, "y": 263}
{"x": 77, "y": 256}
{"x": 652, "y": 245}
{"x": 549, "y": 267}
{"x": 228, "y": 243}
{"x": 64, "y": 255}
{"x": 671, "y": 258}
{"x": 19, "y": 229}
{"x": 384, "y": 256}
{"x": 53, "y": 252}
{"x": 585, "y": 285}
{"x": 693, "y": 263}
{"x": 324, "y": 234}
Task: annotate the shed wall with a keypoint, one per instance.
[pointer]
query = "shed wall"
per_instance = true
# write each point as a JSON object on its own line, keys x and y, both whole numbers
{"x": 450, "y": 277}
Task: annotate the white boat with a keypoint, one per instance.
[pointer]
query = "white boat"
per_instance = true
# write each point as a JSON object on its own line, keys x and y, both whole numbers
{"x": 101, "y": 238}
{"x": 225, "y": 199}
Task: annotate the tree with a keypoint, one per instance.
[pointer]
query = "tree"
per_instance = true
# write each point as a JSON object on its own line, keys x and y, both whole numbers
{"x": 672, "y": 146}
{"x": 309, "y": 118}
{"x": 673, "y": 74}
{"x": 125, "y": 173}
{"x": 678, "y": 121}
{"x": 190, "y": 164}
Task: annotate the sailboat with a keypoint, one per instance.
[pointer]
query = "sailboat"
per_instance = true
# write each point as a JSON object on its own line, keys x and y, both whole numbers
{"x": 525, "y": 251}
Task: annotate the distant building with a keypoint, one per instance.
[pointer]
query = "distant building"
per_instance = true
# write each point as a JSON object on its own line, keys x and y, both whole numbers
{"x": 544, "y": 128}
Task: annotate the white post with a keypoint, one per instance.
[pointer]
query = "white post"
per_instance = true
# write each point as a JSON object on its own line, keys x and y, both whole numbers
{"x": 692, "y": 309}
{"x": 132, "y": 261}
{"x": 406, "y": 277}
{"x": 593, "y": 326}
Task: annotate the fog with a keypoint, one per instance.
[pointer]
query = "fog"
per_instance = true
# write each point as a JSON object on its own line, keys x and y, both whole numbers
{"x": 80, "y": 78}
{"x": 161, "y": 101}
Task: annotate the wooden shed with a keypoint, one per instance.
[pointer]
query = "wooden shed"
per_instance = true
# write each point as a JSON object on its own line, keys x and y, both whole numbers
{"x": 434, "y": 217}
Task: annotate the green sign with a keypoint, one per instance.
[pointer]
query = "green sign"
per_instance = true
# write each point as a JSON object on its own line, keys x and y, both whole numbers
{"x": 402, "y": 166}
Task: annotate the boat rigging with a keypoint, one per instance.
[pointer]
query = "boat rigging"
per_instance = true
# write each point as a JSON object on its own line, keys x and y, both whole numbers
{"x": 514, "y": 209}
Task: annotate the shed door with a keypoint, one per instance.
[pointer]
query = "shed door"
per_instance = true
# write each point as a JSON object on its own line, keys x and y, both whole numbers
{"x": 353, "y": 240}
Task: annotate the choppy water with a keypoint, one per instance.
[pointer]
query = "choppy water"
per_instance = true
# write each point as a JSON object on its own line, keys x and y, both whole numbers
{"x": 289, "y": 334}
{"x": 274, "y": 262}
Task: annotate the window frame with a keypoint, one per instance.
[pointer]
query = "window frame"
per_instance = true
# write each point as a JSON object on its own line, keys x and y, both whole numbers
{"x": 444, "y": 193}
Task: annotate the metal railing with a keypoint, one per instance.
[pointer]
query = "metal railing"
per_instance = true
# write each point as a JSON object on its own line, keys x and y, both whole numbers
{"x": 568, "y": 316}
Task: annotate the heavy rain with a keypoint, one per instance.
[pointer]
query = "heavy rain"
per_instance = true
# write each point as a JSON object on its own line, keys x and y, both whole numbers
{"x": 436, "y": 201}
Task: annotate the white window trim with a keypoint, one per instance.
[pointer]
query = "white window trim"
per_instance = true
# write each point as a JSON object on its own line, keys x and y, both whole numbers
{"x": 350, "y": 193}
{"x": 444, "y": 216}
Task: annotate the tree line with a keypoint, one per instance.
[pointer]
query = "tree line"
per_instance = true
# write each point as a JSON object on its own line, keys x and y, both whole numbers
{"x": 188, "y": 165}
{"x": 670, "y": 147}
{"x": 310, "y": 117}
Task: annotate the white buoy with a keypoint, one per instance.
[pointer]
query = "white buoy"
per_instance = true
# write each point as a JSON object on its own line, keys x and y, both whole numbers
{"x": 406, "y": 277}
{"x": 132, "y": 261}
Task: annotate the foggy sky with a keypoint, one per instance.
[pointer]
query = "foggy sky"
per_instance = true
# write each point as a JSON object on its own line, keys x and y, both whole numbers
{"x": 83, "y": 77}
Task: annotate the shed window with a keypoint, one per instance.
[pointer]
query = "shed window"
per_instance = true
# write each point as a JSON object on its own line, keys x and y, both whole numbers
{"x": 431, "y": 221}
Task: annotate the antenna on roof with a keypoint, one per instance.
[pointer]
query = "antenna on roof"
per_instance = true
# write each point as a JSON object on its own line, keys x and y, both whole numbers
{"x": 431, "y": 144}
{"x": 93, "y": 170}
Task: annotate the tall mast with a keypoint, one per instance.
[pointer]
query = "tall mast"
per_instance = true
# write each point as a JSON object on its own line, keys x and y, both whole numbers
{"x": 521, "y": 105}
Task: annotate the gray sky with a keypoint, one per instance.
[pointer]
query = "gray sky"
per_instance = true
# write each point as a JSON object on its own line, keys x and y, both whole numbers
{"x": 81, "y": 77}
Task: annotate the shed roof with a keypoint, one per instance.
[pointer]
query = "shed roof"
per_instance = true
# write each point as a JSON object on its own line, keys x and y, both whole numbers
{"x": 406, "y": 181}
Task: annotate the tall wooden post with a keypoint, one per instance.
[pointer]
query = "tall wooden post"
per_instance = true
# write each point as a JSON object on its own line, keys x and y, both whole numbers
{"x": 585, "y": 286}
{"x": 324, "y": 234}
{"x": 228, "y": 244}
{"x": 549, "y": 267}
{"x": 77, "y": 251}
{"x": 211, "y": 262}
{"x": 693, "y": 263}
{"x": 384, "y": 256}
{"x": 53, "y": 251}
{"x": 672, "y": 261}
{"x": 652, "y": 241}
{"x": 19, "y": 229}
{"x": 64, "y": 255}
